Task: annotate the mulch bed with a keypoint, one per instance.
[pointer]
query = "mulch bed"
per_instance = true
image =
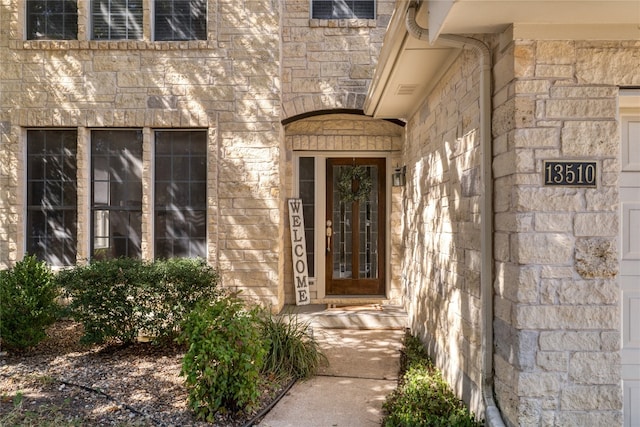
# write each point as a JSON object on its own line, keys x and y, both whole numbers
{"x": 60, "y": 382}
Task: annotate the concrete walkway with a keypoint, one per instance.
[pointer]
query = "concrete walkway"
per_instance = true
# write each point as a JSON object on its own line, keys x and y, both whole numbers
{"x": 363, "y": 370}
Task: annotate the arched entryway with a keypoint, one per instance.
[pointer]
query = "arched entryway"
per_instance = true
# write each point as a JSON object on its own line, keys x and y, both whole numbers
{"x": 340, "y": 164}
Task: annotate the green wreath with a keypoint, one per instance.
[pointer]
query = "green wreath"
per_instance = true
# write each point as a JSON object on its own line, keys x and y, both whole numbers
{"x": 362, "y": 185}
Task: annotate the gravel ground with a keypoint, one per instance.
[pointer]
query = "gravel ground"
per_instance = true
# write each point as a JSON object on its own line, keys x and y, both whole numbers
{"x": 60, "y": 382}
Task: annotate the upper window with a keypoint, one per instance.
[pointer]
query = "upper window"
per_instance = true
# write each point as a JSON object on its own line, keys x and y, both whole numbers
{"x": 180, "y": 194}
{"x": 116, "y": 19}
{"x": 343, "y": 9}
{"x": 180, "y": 20}
{"x": 116, "y": 197}
{"x": 52, "y": 19}
{"x": 51, "y": 196}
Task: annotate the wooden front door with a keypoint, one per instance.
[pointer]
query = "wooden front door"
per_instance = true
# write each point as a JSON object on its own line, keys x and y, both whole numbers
{"x": 355, "y": 226}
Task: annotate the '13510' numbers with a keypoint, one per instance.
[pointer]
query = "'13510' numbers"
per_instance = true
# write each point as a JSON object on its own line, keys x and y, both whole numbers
{"x": 570, "y": 173}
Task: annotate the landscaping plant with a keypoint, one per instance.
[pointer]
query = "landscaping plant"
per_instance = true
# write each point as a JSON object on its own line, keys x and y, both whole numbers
{"x": 423, "y": 398}
{"x": 28, "y": 303}
{"x": 293, "y": 351}
{"x": 125, "y": 297}
{"x": 225, "y": 356}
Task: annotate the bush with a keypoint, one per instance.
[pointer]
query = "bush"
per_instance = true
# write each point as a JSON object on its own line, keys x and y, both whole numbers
{"x": 28, "y": 298}
{"x": 423, "y": 398}
{"x": 180, "y": 284}
{"x": 121, "y": 298}
{"x": 293, "y": 351}
{"x": 225, "y": 356}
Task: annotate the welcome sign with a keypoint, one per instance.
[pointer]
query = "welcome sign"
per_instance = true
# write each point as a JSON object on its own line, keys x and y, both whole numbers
{"x": 299, "y": 252}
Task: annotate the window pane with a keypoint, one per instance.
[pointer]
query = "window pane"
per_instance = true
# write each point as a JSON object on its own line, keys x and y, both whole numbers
{"x": 343, "y": 9}
{"x": 52, "y": 19}
{"x": 180, "y": 194}
{"x": 116, "y": 182}
{"x": 51, "y": 195}
{"x": 180, "y": 19}
{"x": 306, "y": 184}
{"x": 116, "y": 19}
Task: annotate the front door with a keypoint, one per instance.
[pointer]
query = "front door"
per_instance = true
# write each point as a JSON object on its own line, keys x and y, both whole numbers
{"x": 355, "y": 227}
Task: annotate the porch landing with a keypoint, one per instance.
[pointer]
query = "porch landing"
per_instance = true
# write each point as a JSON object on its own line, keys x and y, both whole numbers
{"x": 370, "y": 316}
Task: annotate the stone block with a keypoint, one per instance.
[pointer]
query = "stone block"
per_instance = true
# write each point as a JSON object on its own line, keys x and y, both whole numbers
{"x": 547, "y": 199}
{"x": 553, "y": 222}
{"x": 580, "y": 108}
{"x": 595, "y": 368}
{"x": 596, "y": 257}
{"x": 536, "y": 137}
{"x": 554, "y": 361}
{"x": 593, "y": 292}
{"x": 592, "y": 418}
{"x": 555, "y": 52}
{"x": 578, "y": 317}
{"x": 592, "y": 139}
{"x": 591, "y": 398}
{"x": 596, "y": 224}
{"x": 538, "y": 384}
{"x": 548, "y": 248}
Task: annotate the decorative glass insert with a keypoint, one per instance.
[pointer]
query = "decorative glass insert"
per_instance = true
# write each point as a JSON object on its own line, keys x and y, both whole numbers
{"x": 307, "y": 188}
{"x": 355, "y": 225}
{"x": 116, "y": 196}
{"x": 343, "y": 9}
{"x": 181, "y": 194}
{"x": 52, "y": 207}
{"x": 52, "y": 19}
{"x": 116, "y": 19}
{"x": 180, "y": 20}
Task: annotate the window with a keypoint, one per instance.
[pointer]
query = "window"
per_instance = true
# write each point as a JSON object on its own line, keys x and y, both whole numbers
{"x": 343, "y": 9}
{"x": 116, "y": 19}
{"x": 116, "y": 196}
{"x": 52, "y": 19}
{"x": 180, "y": 194}
{"x": 181, "y": 19}
{"x": 51, "y": 224}
{"x": 307, "y": 188}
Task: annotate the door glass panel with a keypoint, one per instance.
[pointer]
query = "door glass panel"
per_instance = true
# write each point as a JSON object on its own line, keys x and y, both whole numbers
{"x": 369, "y": 230}
{"x": 355, "y": 224}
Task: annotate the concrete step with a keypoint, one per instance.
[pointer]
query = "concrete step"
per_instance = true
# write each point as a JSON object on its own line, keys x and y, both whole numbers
{"x": 350, "y": 317}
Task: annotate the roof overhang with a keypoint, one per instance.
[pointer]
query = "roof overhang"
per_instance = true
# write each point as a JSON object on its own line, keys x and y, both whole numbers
{"x": 408, "y": 68}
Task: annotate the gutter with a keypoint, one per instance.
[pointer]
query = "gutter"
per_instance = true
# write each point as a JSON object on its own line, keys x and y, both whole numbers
{"x": 492, "y": 413}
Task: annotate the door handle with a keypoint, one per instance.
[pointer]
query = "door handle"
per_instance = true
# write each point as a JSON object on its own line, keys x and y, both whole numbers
{"x": 329, "y": 233}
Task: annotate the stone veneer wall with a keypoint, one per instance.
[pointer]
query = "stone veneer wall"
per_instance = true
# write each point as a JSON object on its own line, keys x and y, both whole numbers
{"x": 228, "y": 85}
{"x": 328, "y": 64}
{"x": 557, "y": 312}
{"x": 441, "y": 226}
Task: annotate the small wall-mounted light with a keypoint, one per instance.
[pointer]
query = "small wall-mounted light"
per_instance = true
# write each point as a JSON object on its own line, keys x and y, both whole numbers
{"x": 398, "y": 178}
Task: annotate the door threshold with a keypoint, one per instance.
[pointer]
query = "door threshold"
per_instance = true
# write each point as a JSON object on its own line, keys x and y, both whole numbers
{"x": 350, "y": 300}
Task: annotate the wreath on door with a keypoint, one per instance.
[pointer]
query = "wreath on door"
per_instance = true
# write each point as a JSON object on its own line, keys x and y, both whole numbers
{"x": 354, "y": 184}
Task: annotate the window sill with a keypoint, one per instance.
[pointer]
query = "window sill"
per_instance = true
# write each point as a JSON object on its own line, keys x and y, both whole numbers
{"x": 111, "y": 45}
{"x": 343, "y": 23}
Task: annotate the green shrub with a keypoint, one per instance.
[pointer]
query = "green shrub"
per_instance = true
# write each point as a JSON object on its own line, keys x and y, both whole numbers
{"x": 28, "y": 303}
{"x": 122, "y": 298}
{"x": 224, "y": 358}
{"x": 108, "y": 298}
{"x": 180, "y": 284}
{"x": 293, "y": 351}
{"x": 423, "y": 398}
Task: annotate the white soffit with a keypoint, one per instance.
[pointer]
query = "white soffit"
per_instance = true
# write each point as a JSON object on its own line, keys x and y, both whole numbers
{"x": 409, "y": 68}
{"x": 491, "y": 16}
